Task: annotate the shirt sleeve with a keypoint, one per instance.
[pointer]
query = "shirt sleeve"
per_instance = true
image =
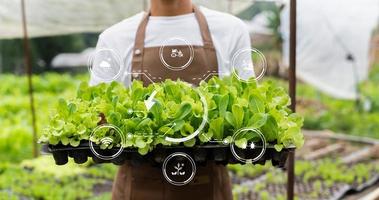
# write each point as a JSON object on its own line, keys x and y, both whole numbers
{"x": 94, "y": 79}
{"x": 106, "y": 63}
{"x": 241, "y": 54}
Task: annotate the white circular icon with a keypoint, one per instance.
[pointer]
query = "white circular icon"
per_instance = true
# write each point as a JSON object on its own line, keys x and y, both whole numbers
{"x": 179, "y": 168}
{"x": 107, "y": 136}
{"x": 247, "y": 62}
{"x": 105, "y": 64}
{"x": 248, "y": 141}
{"x": 176, "y": 57}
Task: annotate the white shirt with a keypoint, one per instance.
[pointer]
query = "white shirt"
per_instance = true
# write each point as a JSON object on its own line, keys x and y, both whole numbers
{"x": 115, "y": 44}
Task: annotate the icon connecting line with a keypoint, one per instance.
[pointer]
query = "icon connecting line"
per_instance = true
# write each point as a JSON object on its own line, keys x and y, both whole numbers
{"x": 217, "y": 86}
{"x": 131, "y": 111}
{"x": 214, "y": 73}
{"x": 149, "y": 103}
{"x": 224, "y": 141}
{"x": 130, "y": 136}
{"x": 172, "y": 126}
{"x": 138, "y": 74}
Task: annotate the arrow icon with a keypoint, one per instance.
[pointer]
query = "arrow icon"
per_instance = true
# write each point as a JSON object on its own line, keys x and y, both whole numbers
{"x": 150, "y": 101}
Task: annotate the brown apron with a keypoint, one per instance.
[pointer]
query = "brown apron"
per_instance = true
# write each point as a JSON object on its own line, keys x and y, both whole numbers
{"x": 145, "y": 182}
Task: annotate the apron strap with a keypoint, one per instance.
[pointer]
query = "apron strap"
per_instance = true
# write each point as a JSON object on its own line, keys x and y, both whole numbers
{"x": 207, "y": 38}
{"x": 139, "y": 43}
{"x": 140, "y": 34}
{"x": 204, "y": 28}
{"x": 137, "y": 61}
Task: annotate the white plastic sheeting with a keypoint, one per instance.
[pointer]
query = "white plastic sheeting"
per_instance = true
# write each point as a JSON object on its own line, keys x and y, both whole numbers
{"x": 259, "y": 24}
{"x": 64, "y": 60}
{"x": 55, "y": 17}
{"x": 58, "y": 17}
{"x": 327, "y": 32}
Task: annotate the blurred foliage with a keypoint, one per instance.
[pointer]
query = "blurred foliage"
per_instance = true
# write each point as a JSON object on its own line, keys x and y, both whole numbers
{"x": 354, "y": 117}
{"x": 43, "y": 51}
{"x": 21, "y": 178}
{"x": 32, "y": 178}
{"x": 319, "y": 175}
{"x": 249, "y": 171}
{"x": 256, "y": 8}
{"x": 15, "y": 119}
{"x": 41, "y": 179}
{"x": 359, "y": 117}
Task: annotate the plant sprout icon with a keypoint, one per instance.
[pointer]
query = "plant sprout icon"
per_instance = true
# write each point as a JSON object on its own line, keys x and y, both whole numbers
{"x": 178, "y": 168}
{"x": 176, "y": 53}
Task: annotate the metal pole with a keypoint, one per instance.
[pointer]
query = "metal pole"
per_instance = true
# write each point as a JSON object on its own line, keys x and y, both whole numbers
{"x": 230, "y": 6}
{"x": 1, "y": 57}
{"x": 28, "y": 66}
{"x": 292, "y": 93}
{"x": 144, "y": 5}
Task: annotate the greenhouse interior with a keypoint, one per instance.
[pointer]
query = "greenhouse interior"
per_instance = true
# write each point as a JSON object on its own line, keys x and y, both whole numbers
{"x": 189, "y": 99}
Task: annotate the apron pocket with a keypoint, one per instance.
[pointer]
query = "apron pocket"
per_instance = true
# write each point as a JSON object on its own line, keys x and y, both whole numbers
{"x": 147, "y": 189}
{"x": 200, "y": 188}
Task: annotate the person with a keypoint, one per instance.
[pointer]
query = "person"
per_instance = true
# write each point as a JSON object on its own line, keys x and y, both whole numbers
{"x": 175, "y": 39}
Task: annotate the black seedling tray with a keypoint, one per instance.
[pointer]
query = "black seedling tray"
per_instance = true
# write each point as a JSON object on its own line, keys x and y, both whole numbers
{"x": 201, "y": 154}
